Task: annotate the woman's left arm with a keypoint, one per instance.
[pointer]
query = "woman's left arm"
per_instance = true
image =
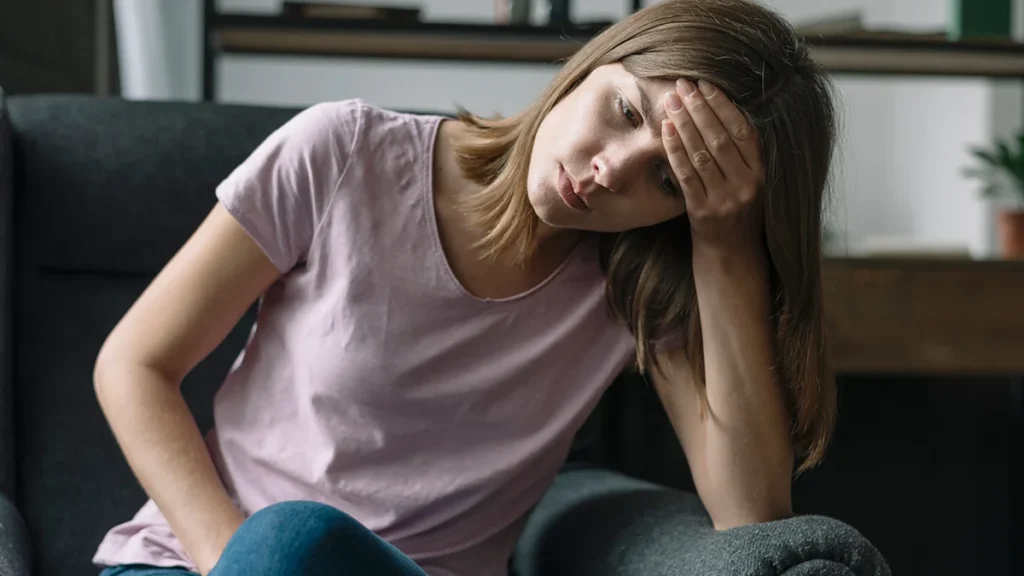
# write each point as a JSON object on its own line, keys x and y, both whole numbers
{"x": 739, "y": 448}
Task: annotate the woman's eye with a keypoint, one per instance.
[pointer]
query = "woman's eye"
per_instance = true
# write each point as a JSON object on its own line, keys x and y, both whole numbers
{"x": 626, "y": 110}
{"x": 668, "y": 185}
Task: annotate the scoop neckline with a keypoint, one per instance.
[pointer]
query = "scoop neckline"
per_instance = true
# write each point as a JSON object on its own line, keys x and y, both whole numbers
{"x": 442, "y": 257}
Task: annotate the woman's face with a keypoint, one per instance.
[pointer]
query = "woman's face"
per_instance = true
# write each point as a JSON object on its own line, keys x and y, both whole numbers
{"x": 598, "y": 162}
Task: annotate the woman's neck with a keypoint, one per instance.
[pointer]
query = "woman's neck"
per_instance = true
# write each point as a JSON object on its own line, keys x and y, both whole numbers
{"x": 453, "y": 188}
{"x": 498, "y": 277}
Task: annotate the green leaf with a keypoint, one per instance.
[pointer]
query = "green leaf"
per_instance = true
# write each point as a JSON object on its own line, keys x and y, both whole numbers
{"x": 990, "y": 191}
{"x": 985, "y": 156}
{"x": 977, "y": 171}
{"x": 1003, "y": 155}
{"x": 1013, "y": 158}
{"x": 1018, "y": 165}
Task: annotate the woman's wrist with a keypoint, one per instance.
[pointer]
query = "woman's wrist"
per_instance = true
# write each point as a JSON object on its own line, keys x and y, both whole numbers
{"x": 208, "y": 557}
{"x": 740, "y": 260}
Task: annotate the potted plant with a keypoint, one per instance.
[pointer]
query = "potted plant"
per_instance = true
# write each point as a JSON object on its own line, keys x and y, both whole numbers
{"x": 1002, "y": 175}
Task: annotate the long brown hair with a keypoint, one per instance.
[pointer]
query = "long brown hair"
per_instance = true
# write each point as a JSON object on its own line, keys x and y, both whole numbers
{"x": 757, "y": 59}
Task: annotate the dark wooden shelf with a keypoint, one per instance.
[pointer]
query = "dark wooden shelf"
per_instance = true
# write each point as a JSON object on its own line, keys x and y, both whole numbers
{"x": 868, "y": 53}
{"x": 918, "y": 55}
{"x": 418, "y": 41}
{"x": 950, "y": 317}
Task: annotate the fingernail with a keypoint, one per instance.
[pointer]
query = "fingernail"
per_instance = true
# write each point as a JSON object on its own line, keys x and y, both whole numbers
{"x": 673, "y": 103}
{"x": 685, "y": 86}
{"x": 668, "y": 129}
{"x": 706, "y": 88}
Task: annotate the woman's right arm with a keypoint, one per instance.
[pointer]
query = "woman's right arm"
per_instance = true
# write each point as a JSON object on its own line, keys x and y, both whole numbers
{"x": 188, "y": 309}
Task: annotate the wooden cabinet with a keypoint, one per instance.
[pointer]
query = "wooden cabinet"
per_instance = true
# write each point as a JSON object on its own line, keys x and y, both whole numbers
{"x": 935, "y": 317}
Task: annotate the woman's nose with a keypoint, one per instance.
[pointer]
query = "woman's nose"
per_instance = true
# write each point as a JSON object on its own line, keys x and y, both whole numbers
{"x": 602, "y": 171}
{"x": 609, "y": 171}
{"x": 612, "y": 167}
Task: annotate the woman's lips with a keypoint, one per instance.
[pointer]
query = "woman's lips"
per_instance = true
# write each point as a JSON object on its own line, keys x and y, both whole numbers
{"x": 569, "y": 196}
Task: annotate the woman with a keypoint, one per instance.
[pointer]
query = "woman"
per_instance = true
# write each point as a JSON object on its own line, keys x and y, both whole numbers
{"x": 442, "y": 302}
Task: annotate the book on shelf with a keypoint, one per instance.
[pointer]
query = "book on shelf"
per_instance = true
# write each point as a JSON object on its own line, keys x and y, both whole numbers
{"x": 350, "y": 11}
{"x": 851, "y": 24}
{"x": 836, "y": 24}
{"x": 904, "y": 247}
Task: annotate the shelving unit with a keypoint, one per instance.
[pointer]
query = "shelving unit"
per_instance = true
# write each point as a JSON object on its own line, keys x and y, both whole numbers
{"x": 917, "y": 55}
{"x": 862, "y": 53}
{"x": 905, "y": 55}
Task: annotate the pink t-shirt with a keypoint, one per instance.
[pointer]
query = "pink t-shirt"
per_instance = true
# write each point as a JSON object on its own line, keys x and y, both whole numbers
{"x": 372, "y": 380}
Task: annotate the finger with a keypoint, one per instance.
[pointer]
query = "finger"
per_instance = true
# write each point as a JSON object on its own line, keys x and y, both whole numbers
{"x": 699, "y": 155}
{"x": 735, "y": 123}
{"x": 712, "y": 132}
{"x": 686, "y": 174}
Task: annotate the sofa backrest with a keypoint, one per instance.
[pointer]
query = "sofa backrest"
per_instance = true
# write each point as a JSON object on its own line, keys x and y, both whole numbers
{"x": 100, "y": 192}
{"x": 7, "y": 472}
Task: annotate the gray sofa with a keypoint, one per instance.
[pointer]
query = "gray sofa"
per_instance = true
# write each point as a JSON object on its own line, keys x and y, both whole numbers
{"x": 95, "y": 195}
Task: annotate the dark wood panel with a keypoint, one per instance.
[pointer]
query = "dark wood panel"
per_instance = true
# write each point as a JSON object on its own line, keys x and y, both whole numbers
{"x": 383, "y": 45}
{"x": 57, "y": 46}
{"x": 926, "y": 316}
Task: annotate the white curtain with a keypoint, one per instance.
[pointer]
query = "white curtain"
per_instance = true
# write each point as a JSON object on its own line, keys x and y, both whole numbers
{"x": 159, "y": 48}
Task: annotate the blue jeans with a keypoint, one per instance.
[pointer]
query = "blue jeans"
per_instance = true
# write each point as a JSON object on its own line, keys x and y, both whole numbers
{"x": 297, "y": 538}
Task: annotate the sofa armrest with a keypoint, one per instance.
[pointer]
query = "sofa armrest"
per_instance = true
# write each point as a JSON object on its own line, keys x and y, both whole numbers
{"x": 601, "y": 523}
{"x": 15, "y": 552}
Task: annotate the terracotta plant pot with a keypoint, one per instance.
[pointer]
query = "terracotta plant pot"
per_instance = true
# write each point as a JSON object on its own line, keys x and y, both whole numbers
{"x": 1010, "y": 231}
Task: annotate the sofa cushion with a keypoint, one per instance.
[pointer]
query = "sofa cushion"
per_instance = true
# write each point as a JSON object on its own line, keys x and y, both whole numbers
{"x": 105, "y": 192}
{"x": 117, "y": 186}
{"x": 73, "y": 481}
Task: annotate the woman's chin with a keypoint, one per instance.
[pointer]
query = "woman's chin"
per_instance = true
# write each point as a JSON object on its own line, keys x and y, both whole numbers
{"x": 552, "y": 217}
{"x": 543, "y": 207}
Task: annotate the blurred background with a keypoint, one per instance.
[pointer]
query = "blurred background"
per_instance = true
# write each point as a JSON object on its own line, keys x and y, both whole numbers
{"x": 905, "y": 143}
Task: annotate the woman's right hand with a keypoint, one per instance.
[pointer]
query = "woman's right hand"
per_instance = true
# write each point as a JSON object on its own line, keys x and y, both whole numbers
{"x": 187, "y": 310}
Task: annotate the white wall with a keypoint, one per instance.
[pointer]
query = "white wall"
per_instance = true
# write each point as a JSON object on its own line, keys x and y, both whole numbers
{"x": 905, "y": 140}
{"x": 158, "y": 44}
{"x": 903, "y": 146}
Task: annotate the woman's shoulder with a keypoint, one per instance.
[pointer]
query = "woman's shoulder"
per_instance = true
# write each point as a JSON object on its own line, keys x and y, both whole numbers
{"x": 370, "y": 114}
{"x": 369, "y": 128}
{"x": 355, "y": 130}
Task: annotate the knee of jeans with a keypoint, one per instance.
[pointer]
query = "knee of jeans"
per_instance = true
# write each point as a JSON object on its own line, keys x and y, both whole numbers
{"x": 299, "y": 534}
{"x": 301, "y": 517}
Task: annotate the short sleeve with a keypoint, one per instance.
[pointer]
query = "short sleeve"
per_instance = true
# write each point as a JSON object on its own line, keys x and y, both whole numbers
{"x": 283, "y": 190}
